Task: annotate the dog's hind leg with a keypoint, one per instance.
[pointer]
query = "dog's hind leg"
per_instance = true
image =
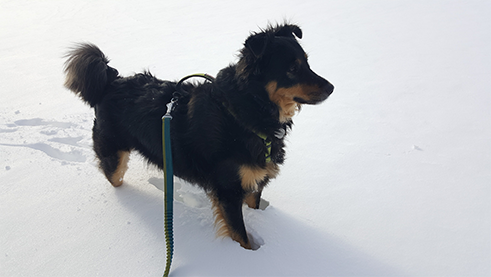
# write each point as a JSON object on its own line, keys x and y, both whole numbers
{"x": 113, "y": 160}
{"x": 115, "y": 167}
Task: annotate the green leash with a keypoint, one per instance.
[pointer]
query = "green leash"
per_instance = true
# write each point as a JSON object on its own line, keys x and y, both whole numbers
{"x": 169, "y": 173}
{"x": 168, "y": 188}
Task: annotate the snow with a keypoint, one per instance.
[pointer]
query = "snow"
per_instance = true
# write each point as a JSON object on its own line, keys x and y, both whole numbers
{"x": 389, "y": 177}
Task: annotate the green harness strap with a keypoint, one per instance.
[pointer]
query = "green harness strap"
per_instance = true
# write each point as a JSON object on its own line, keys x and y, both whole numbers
{"x": 267, "y": 143}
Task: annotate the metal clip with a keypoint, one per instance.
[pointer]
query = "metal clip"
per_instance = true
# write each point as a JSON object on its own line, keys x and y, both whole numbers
{"x": 170, "y": 107}
{"x": 280, "y": 133}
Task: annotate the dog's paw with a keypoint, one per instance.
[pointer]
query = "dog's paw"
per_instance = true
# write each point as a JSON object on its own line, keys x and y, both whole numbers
{"x": 255, "y": 240}
{"x": 263, "y": 204}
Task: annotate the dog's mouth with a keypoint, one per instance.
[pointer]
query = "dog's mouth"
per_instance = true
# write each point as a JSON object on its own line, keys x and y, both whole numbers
{"x": 300, "y": 100}
{"x": 312, "y": 101}
{"x": 317, "y": 96}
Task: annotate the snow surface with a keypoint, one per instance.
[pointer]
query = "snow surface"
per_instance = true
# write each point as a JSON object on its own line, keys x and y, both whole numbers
{"x": 390, "y": 176}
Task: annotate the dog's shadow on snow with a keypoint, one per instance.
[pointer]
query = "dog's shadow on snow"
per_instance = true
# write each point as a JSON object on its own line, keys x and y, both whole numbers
{"x": 290, "y": 247}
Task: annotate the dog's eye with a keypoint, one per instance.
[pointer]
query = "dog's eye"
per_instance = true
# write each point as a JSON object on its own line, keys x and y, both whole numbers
{"x": 293, "y": 68}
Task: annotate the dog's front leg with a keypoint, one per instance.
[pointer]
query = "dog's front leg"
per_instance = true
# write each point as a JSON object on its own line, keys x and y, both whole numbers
{"x": 253, "y": 199}
{"x": 229, "y": 221}
{"x": 228, "y": 197}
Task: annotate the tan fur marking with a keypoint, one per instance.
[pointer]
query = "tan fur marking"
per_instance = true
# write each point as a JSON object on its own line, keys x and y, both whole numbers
{"x": 283, "y": 97}
{"x": 250, "y": 200}
{"x": 220, "y": 223}
{"x": 117, "y": 177}
{"x": 272, "y": 170}
{"x": 221, "y": 226}
{"x": 250, "y": 176}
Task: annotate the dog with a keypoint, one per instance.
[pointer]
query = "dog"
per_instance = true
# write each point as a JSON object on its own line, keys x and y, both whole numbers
{"x": 227, "y": 135}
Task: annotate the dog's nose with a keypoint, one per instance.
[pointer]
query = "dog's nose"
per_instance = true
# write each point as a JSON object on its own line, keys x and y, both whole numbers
{"x": 326, "y": 87}
{"x": 329, "y": 88}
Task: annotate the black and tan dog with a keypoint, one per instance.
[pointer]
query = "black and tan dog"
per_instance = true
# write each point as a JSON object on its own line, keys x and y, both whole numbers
{"x": 227, "y": 135}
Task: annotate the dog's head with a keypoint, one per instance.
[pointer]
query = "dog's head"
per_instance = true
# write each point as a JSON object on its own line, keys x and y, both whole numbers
{"x": 275, "y": 58}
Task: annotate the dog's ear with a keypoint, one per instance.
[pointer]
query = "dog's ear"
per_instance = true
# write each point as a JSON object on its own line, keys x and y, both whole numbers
{"x": 288, "y": 31}
{"x": 257, "y": 44}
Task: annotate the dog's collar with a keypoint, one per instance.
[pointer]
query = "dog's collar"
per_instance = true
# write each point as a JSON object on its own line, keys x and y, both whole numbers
{"x": 265, "y": 138}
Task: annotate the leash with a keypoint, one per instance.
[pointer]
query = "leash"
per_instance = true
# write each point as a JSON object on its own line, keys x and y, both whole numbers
{"x": 169, "y": 172}
{"x": 168, "y": 188}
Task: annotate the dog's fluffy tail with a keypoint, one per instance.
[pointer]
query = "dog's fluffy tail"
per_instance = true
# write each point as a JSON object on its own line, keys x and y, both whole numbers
{"x": 87, "y": 73}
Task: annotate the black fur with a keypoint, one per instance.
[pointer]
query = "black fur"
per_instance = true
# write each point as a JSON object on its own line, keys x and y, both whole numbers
{"x": 218, "y": 128}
